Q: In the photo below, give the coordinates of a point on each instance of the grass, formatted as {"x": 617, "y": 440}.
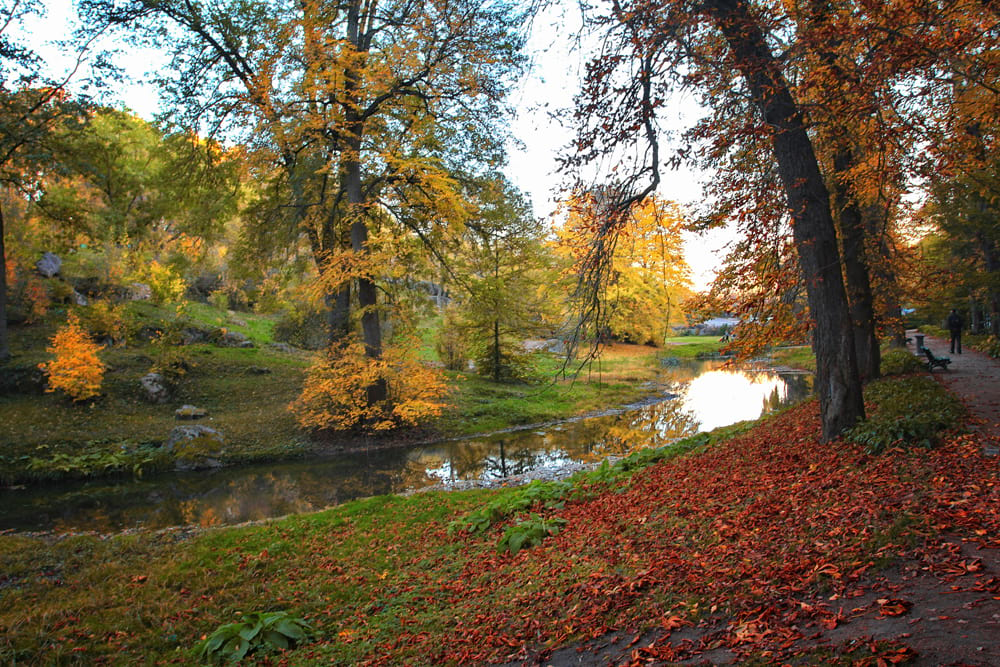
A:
{"x": 691, "y": 347}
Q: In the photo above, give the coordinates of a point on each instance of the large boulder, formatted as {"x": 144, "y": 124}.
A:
{"x": 195, "y": 447}
{"x": 49, "y": 265}
{"x": 191, "y": 335}
{"x": 156, "y": 387}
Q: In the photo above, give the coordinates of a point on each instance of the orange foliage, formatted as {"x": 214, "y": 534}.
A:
{"x": 76, "y": 369}
{"x": 334, "y": 394}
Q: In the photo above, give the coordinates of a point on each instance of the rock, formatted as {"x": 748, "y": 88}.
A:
{"x": 257, "y": 370}
{"x": 195, "y": 447}
{"x": 283, "y": 347}
{"x": 189, "y": 412}
{"x": 192, "y": 335}
{"x": 235, "y": 339}
{"x": 155, "y": 386}
{"x": 77, "y": 299}
{"x": 49, "y": 265}
{"x": 235, "y": 321}
{"x": 139, "y": 292}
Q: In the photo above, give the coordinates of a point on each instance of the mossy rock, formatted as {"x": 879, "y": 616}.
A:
{"x": 195, "y": 447}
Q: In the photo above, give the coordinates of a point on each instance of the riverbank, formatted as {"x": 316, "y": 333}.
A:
{"x": 245, "y": 392}
{"x": 762, "y": 545}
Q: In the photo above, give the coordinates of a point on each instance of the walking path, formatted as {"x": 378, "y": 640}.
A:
{"x": 975, "y": 378}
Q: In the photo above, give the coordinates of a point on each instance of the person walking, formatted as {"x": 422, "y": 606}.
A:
{"x": 955, "y": 323}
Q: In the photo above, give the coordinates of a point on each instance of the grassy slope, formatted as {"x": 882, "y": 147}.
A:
{"x": 80, "y": 440}
{"x": 746, "y": 529}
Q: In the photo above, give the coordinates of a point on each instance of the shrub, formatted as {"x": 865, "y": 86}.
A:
{"x": 256, "y": 631}
{"x": 334, "y": 395}
{"x": 76, "y": 369}
{"x": 512, "y": 364}
{"x": 990, "y": 345}
{"x": 104, "y": 319}
{"x": 899, "y": 361}
{"x": 302, "y": 327}
{"x": 165, "y": 283}
{"x": 906, "y": 412}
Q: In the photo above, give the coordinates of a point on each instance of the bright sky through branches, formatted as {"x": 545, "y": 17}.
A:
{"x": 557, "y": 63}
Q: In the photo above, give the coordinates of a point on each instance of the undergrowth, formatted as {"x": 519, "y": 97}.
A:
{"x": 911, "y": 411}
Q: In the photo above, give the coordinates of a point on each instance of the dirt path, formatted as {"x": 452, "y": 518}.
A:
{"x": 973, "y": 377}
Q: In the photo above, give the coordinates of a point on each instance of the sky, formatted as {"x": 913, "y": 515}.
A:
{"x": 549, "y": 85}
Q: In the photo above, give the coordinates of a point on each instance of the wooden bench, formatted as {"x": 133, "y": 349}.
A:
{"x": 935, "y": 362}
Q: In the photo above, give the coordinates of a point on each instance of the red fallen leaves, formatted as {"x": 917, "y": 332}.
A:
{"x": 893, "y": 607}
{"x": 749, "y": 529}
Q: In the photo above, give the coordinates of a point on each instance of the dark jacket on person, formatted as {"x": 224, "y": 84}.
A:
{"x": 954, "y": 322}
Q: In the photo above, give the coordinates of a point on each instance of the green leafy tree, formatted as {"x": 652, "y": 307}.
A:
{"x": 506, "y": 275}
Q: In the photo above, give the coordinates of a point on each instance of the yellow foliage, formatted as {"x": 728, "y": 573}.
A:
{"x": 334, "y": 396}
{"x": 76, "y": 369}
{"x": 164, "y": 282}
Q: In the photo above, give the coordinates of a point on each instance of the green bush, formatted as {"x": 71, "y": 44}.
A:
{"x": 906, "y": 412}
{"x": 547, "y": 495}
{"x": 254, "y": 632}
{"x": 899, "y": 361}
{"x": 989, "y": 345}
{"x": 529, "y": 533}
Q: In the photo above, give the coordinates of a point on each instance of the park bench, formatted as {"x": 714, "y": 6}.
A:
{"x": 935, "y": 362}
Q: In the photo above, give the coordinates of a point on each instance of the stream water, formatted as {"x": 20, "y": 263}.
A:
{"x": 697, "y": 396}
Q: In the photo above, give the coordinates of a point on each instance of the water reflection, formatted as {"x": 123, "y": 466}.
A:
{"x": 707, "y": 396}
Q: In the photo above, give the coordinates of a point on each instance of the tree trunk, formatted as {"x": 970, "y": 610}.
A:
{"x": 371, "y": 329}
{"x": 837, "y": 380}
{"x": 975, "y": 316}
{"x": 4, "y": 344}
{"x": 859, "y": 290}
{"x": 496, "y": 350}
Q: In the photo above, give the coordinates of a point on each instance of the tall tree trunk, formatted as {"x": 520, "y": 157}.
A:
{"x": 859, "y": 289}
{"x": 4, "y": 344}
{"x": 883, "y": 274}
{"x": 991, "y": 262}
{"x": 837, "y": 380}
{"x": 975, "y": 316}
{"x": 371, "y": 328}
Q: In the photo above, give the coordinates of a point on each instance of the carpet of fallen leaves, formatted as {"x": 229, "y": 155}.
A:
{"x": 756, "y": 548}
{"x": 769, "y": 531}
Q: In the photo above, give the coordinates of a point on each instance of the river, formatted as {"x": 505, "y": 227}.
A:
{"x": 694, "y": 397}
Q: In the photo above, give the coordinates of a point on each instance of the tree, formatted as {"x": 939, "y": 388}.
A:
{"x": 649, "y": 277}
{"x": 502, "y": 269}
{"x": 76, "y": 369}
{"x": 648, "y": 32}
{"x": 364, "y": 107}
{"x": 117, "y": 179}
{"x": 31, "y": 102}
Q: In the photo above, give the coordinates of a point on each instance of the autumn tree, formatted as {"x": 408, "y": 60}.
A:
{"x": 362, "y": 107}
{"x": 32, "y": 101}
{"x": 75, "y": 367}
{"x": 115, "y": 178}
{"x": 649, "y": 277}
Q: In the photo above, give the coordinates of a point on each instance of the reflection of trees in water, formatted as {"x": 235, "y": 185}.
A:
{"x": 653, "y": 426}
{"x": 229, "y": 496}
